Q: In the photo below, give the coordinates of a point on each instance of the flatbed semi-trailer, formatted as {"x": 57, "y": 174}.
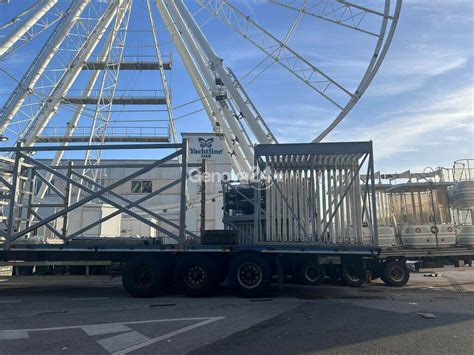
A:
{"x": 150, "y": 269}
{"x": 300, "y": 221}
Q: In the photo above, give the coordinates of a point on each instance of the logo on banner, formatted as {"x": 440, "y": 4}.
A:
{"x": 206, "y": 149}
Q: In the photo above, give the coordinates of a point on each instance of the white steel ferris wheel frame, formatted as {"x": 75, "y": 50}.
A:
{"x": 232, "y": 114}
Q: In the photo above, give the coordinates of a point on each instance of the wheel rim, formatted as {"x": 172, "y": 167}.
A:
{"x": 351, "y": 276}
{"x": 196, "y": 277}
{"x": 397, "y": 273}
{"x": 143, "y": 276}
{"x": 312, "y": 273}
{"x": 250, "y": 275}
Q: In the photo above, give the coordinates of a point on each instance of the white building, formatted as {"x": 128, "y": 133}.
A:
{"x": 202, "y": 146}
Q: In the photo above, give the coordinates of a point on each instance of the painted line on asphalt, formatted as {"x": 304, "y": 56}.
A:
{"x": 15, "y": 301}
{"x": 13, "y": 334}
{"x": 166, "y": 336}
{"x": 20, "y": 333}
{"x": 101, "y": 329}
{"x": 87, "y": 299}
{"x": 123, "y": 341}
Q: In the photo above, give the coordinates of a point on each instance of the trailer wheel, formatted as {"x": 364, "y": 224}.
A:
{"x": 396, "y": 273}
{"x": 143, "y": 277}
{"x": 353, "y": 276}
{"x": 197, "y": 275}
{"x": 250, "y": 274}
{"x": 310, "y": 273}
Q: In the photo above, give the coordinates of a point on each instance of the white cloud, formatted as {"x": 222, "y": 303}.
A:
{"x": 438, "y": 126}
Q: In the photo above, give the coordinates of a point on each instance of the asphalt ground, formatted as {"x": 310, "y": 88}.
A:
{"x": 433, "y": 314}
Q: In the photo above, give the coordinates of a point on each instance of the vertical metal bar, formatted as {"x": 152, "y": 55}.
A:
{"x": 256, "y": 211}
{"x": 322, "y": 238}
{"x": 278, "y": 178}
{"x": 284, "y": 205}
{"x": 13, "y": 197}
{"x": 375, "y": 233}
{"x": 311, "y": 198}
{"x": 182, "y": 210}
{"x": 67, "y": 199}
{"x": 32, "y": 179}
{"x": 357, "y": 197}
{"x": 343, "y": 205}
{"x": 336, "y": 198}
{"x": 420, "y": 202}
{"x": 203, "y": 196}
{"x": 434, "y": 214}
{"x": 315, "y": 188}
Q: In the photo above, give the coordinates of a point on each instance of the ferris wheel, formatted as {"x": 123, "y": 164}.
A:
{"x": 98, "y": 71}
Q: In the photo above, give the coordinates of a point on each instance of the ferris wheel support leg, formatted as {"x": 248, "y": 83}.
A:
{"x": 41, "y": 9}
{"x": 218, "y": 65}
{"x": 38, "y": 67}
{"x": 238, "y": 160}
{"x": 202, "y": 61}
{"x": 70, "y": 76}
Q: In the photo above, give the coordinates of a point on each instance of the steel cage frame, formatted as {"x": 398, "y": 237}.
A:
{"x": 22, "y": 159}
{"x": 264, "y": 152}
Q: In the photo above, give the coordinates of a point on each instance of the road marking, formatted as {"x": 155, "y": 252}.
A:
{"x": 166, "y": 336}
{"x": 16, "y": 301}
{"x": 123, "y": 341}
{"x": 13, "y": 334}
{"x": 101, "y": 329}
{"x": 87, "y": 299}
{"x": 2, "y": 332}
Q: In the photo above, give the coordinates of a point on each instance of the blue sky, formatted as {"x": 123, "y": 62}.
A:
{"x": 419, "y": 111}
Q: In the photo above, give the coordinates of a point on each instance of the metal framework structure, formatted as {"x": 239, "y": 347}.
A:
{"x": 81, "y": 26}
{"x": 311, "y": 194}
{"x": 91, "y": 37}
{"x": 19, "y": 192}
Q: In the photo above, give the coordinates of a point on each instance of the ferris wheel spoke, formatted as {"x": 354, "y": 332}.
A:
{"x": 31, "y": 27}
{"x": 342, "y": 13}
{"x": 381, "y": 49}
{"x": 279, "y": 51}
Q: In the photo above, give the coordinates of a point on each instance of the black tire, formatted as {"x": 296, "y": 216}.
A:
{"x": 353, "y": 276}
{"x": 250, "y": 274}
{"x": 310, "y": 273}
{"x": 197, "y": 275}
{"x": 143, "y": 277}
{"x": 396, "y": 273}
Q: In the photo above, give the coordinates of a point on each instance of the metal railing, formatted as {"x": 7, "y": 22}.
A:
{"x": 113, "y": 131}
{"x": 25, "y": 171}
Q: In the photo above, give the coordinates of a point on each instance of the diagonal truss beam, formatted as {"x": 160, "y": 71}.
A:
{"x": 292, "y": 61}
{"x": 339, "y": 12}
{"x": 93, "y": 194}
{"x": 51, "y": 106}
{"x": 35, "y": 15}
{"x": 39, "y": 64}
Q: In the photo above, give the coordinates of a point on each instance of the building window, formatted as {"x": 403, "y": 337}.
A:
{"x": 142, "y": 187}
